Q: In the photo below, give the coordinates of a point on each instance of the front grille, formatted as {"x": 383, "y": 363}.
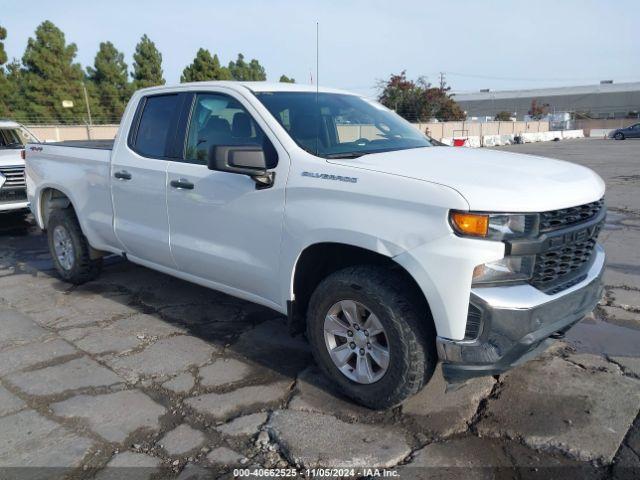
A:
{"x": 562, "y": 267}
{"x": 14, "y": 177}
{"x": 557, "y": 219}
{"x": 13, "y": 195}
{"x": 558, "y": 265}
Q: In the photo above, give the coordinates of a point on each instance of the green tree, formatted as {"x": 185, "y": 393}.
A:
{"x": 405, "y": 96}
{"x": 503, "y": 116}
{"x": 108, "y": 83}
{"x": 5, "y": 106}
{"x": 418, "y": 101}
{"x": 256, "y": 71}
{"x": 12, "y": 103}
{"x": 205, "y": 67}
{"x": 285, "y": 79}
{"x": 243, "y": 71}
{"x": 147, "y": 64}
{"x": 538, "y": 111}
{"x": 3, "y": 54}
{"x": 50, "y": 76}
{"x": 442, "y": 106}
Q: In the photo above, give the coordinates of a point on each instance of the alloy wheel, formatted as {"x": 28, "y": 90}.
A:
{"x": 63, "y": 247}
{"x": 356, "y": 341}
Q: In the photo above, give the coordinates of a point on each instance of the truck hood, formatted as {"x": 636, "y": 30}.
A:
{"x": 10, "y": 157}
{"x": 491, "y": 180}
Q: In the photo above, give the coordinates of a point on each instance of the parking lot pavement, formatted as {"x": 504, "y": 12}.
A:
{"x": 141, "y": 370}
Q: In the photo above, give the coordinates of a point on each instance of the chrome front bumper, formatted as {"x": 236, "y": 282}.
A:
{"x": 517, "y": 323}
{"x": 14, "y": 206}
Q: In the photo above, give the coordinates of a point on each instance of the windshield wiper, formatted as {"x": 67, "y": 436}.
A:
{"x": 345, "y": 155}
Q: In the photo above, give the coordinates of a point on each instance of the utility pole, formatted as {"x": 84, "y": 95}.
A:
{"x": 442, "y": 81}
{"x": 86, "y": 101}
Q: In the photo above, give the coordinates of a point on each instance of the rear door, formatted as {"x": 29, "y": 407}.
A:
{"x": 139, "y": 179}
{"x": 223, "y": 228}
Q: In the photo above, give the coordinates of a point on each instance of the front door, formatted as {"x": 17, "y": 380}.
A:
{"x": 222, "y": 228}
{"x": 139, "y": 179}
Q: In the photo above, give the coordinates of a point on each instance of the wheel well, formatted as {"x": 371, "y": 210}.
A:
{"x": 320, "y": 260}
{"x": 52, "y": 199}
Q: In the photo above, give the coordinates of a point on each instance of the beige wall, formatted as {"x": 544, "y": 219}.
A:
{"x": 478, "y": 129}
{"x": 450, "y": 129}
{"x": 59, "y": 133}
{"x": 603, "y": 124}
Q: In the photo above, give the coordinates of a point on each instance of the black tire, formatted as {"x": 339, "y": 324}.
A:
{"x": 405, "y": 318}
{"x": 83, "y": 268}
{"x": 619, "y": 136}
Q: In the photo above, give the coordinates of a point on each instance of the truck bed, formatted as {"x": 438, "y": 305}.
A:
{"x": 81, "y": 170}
{"x": 95, "y": 144}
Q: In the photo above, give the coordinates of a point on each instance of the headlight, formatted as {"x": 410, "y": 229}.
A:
{"x": 498, "y": 227}
{"x": 507, "y": 269}
{"x": 493, "y": 226}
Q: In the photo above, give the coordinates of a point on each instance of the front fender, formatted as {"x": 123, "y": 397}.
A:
{"x": 443, "y": 269}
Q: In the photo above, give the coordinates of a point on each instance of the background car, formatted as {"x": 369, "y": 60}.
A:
{"x": 632, "y": 131}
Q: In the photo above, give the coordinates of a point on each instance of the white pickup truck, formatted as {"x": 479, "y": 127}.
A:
{"x": 390, "y": 252}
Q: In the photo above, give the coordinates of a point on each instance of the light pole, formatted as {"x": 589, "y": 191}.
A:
{"x": 86, "y": 101}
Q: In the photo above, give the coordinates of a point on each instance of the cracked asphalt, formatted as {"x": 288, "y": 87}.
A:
{"x": 140, "y": 375}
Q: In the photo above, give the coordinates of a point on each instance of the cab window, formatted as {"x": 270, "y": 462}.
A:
{"x": 154, "y": 127}
{"x": 218, "y": 120}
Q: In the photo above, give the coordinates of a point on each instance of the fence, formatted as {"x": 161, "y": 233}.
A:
{"x": 59, "y": 133}
{"x": 442, "y": 130}
{"x": 480, "y": 129}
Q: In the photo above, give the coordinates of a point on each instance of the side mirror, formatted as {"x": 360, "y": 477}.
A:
{"x": 241, "y": 159}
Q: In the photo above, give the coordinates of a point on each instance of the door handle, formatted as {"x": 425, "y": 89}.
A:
{"x": 183, "y": 184}
{"x": 122, "y": 175}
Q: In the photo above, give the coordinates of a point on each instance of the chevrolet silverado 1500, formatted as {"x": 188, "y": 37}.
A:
{"x": 393, "y": 254}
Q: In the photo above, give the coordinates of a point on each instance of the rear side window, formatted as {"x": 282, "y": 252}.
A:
{"x": 154, "y": 128}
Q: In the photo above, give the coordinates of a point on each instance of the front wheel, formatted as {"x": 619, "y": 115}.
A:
{"x": 619, "y": 136}
{"x": 70, "y": 249}
{"x": 371, "y": 334}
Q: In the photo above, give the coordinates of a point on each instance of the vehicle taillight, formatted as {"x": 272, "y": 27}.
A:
{"x": 23, "y": 154}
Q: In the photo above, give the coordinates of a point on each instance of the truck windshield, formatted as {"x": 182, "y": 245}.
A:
{"x": 332, "y": 125}
{"x": 15, "y": 137}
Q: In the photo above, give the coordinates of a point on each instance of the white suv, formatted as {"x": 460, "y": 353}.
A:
{"x": 13, "y": 190}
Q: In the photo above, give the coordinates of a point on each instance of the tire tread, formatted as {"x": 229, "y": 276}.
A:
{"x": 392, "y": 289}
{"x": 86, "y": 268}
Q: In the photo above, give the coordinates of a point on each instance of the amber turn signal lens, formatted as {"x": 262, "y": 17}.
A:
{"x": 470, "y": 223}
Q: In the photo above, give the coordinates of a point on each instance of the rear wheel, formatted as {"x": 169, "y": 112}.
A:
{"x": 619, "y": 136}
{"x": 69, "y": 248}
{"x": 372, "y": 335}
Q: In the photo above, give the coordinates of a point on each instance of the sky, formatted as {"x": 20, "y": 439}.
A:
{"x": 478, "y": 44}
